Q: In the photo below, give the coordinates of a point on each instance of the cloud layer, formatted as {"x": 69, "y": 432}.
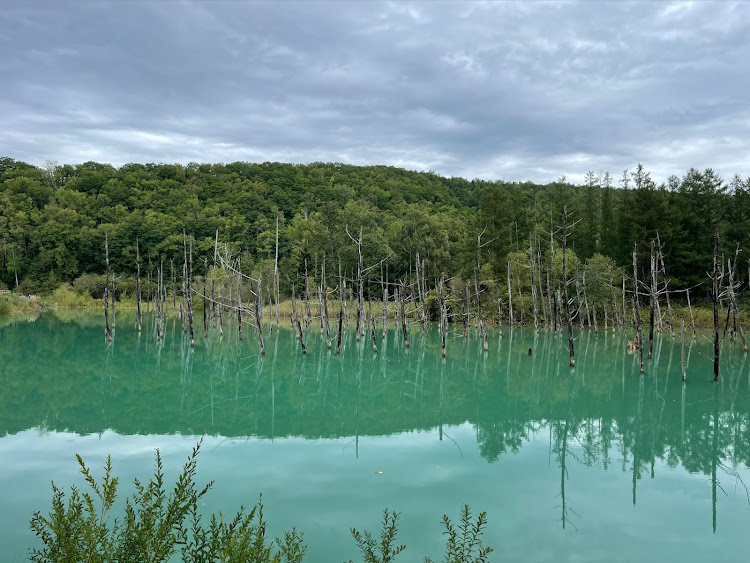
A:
{"x": 497, "y": 90}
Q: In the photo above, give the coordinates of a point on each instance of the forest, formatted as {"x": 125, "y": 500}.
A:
{"x": 54, "y": 220}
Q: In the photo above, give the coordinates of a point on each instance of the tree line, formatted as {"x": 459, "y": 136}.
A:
{"x": 54, "y": 220}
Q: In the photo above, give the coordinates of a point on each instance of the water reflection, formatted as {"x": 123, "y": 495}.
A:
{"x": 58, "y": 374}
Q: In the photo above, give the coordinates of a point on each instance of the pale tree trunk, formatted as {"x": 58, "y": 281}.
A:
{"x": 636, "y": 305}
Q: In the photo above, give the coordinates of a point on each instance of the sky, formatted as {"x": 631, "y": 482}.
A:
{"x": 527, "y": 91}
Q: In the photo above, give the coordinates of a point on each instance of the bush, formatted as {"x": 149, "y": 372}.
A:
{"x": 90, "y": 284}
{"x": 157, "y": 526}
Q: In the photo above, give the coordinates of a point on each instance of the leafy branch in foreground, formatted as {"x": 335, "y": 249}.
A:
{"x": 155, "y": 525}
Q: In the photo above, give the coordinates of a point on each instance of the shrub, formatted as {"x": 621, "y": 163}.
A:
{"x": 157, "y": 526}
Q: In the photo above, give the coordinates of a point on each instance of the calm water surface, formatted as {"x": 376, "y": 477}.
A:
{"x": 592, "y": 464}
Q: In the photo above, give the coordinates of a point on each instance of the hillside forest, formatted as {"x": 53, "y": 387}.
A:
{"x": 54, "y": 218}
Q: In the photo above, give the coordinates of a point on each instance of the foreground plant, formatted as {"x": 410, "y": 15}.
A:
{"x": 155, "y": 526}
{"x": 464, "y": 541}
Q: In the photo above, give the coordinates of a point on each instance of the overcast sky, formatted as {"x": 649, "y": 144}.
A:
{"x": 497, "y": 90}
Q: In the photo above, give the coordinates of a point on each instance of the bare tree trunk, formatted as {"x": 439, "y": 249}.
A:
{"x": 403, "y": 313}
{"x": 324, "y": 297}
{"x": 114, "y": 291}
{"x": 296, "y": 316}
{"x": 183, "y": 296}
{"x": 420, "y": 294}
{"x": 636, "y": 305}
{"x": 189, "y": 290}
{"x": 221, "y": 314}
{"x": 511, "y": 316}
{"x": 565, "y": 287}
{"x": 374, "y": 344}
{"x": 443, "y": 319}
{"x": 174, "y": 285}
{"x": 581, "y": 304}
{"x": 308, "y": 311}
{"x": 652, "y": 304}
{"x": 139, "y": 310}
{"x": 239, "y": 299}
{"x": 159, "y": 303}
{"x": 384, "y": 289}
{"x": 682, "y": 349}
{"x": 205, "y": 299}
{"x": 107, "y": 330}
{"x": 276, "y": 273}
{"x": 341, "y": 308}
{"x": 715, "y": 296}
{"x": 259, "y": 317}
{"x": 532, "y": 269}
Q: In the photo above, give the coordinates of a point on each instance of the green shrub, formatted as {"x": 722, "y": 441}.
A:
{"x": 157, "y": 526}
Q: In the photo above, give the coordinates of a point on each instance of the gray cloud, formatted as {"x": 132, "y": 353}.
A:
{"x": 518, "y": 91}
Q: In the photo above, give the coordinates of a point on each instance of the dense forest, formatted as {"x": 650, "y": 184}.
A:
{"x": 53, "y": 221}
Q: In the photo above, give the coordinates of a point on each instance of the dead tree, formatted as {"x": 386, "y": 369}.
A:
{"x": 533, "y": 286}
{"x": 308, "y": 312}
{"x": 566, "y": 302}
{"x": 360, "y": 289}
{"x": 511, "y": 318}
{"x": 715, "y": 298}
{"x": 636, "y": 306}
{"x": 384, "y": 290}
{"x": 259, "y": 314}
{"x": 324, "y": 297}
{"x": 402, "y": 294}
{"x": 682, "y": 349}
{"x": 652, "y": 304}
{"x": 189, "y": 287}
{"x": 341, "y": 308}
{"x": 295, "y": 320}
{"x": 205, "y": 298}
{"x": 138, "y": 311}
{"x": 730, "y": 291}
{"x": 107, "y": 329}
{"x": 443, "y": 314}
{"x": 420, "y": 294}
{"x": 276, "y": 273}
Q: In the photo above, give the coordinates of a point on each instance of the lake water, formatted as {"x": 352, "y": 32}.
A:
{"x": 597, "y": 463}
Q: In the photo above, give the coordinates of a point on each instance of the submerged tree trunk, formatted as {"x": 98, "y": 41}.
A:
{"x": 138, "y": 311}
{"x": 324, "y": 297}
{"x": 403, "y": 313}
{"x": 189, "y": 287}
{"x": 259, "y": 316}
{"x": 636, "y": 306}
{"x": 565, "y": 287}
{"x": 107, "y": 330}
{"x": 652, "y": 304}
{"x": 341, "y": 309}
{"x": 682, "y": 349}
{"x": 239, "y": 299}
{"x": 715, "y": 296}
